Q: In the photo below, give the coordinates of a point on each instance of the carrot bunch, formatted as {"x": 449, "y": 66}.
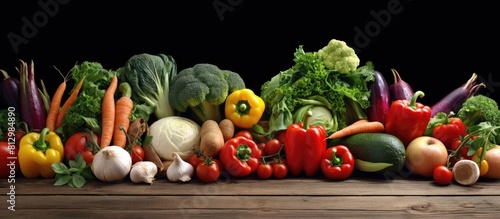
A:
{"x": 56, "y": 113}
{"x": 116, "y": 115}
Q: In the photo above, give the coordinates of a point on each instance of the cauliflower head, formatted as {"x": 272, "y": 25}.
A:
{"x": 338, "y": 56}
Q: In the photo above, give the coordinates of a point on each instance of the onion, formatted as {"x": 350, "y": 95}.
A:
{"x": 111, "y": 164}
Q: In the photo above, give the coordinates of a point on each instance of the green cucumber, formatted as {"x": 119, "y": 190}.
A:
{"x": 376, "y": 152}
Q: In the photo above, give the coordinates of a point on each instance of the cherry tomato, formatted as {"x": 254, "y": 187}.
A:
{"x": 264, "y": 170}
{"x": 194, "y": 160}
{"x": 244, "y": 133}
{"x": 137, "y": 153}
{"x": 442, "y": 175}
{"x": 208, "y": 172}
{"x": 281, "y": 137}
{"x": 463, "y": 151}
{"x": 280, "y": 170}
{"x": 273, "y": 146}
{"x": 262, "y": 146}
{"x": 484, "y": 167}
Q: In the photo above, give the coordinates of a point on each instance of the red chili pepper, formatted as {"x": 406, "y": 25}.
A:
{"x": 448, "y": 129}
{"x": 240, "y": 156}
{"x": 304, "y": 146}
{"x": 408, "y": 120}
{"x": 337, "y": 163}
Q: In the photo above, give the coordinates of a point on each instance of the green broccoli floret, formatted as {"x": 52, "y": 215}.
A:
{"x": 202, "y": 89}
{"x": 479, "y": 108}
{"x": 337, "y": 55}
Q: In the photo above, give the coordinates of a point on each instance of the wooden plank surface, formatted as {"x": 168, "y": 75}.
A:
{"x": 359, "y": 196}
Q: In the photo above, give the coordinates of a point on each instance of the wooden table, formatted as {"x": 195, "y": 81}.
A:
{"x": 361, "y": 196}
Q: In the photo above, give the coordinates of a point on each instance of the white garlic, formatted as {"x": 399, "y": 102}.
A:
{"x": 143, "y": 172}
{"x": 179, "y": 170}
{"x": 111, "y": 164}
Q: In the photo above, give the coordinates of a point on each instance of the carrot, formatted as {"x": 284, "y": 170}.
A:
{"x": 123, "y": 111}
{"x": 211, "y": 138}
{"x": 360, "y": 126}
{"x": 68, "y": 103}
{"x": 108, "y": 113}
{"x": 55, "y": 103}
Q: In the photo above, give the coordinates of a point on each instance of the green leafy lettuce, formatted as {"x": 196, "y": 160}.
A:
{"x": 309, "y": 82}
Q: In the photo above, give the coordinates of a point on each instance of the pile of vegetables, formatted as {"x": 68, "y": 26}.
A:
{"x": 328, "y": 82}
{"x": 325, "y": 115}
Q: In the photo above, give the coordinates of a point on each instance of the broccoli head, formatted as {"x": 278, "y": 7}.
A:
{"x": 479, "y": 108}
{"x": 338, "y": 56}
{"x": 201, "y": 90}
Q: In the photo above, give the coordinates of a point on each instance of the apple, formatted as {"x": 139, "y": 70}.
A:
{"x": 425, "y": 153}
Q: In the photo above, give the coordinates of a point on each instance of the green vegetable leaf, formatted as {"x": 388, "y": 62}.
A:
{"x": 60, "y": 168}
{"x": 78, "y": 180}
{"x": 62, "y": 180}
{"x": 87, "y": 173}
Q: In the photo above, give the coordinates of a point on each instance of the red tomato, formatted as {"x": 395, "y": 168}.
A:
{"x": 273, "y": 146}
{"x": 264, "y": 170}
{"x": 81, "y": 142}
{"x": 208, "y": 173}
{"x": 281, "y": 137}
{"x": 194, "y": 160}
{"x": 463, "y": 152}
{"x": 8, "y": 165}
{"x": 262, "y": 146}
{"x": 137, "y": 153}
{"x": 244, "y": 133}
{"x": 280, "y": 170}
{"x": 442, "y": 175}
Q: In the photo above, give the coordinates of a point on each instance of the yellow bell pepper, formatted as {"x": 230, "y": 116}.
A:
{"x": 38, "y": 151}
{"x": 244, "y": 108}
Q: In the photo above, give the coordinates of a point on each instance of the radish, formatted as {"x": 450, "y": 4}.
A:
{"x": 454, "y": 100}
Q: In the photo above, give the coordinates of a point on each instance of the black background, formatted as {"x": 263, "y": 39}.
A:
{"x": 434, "y": 46}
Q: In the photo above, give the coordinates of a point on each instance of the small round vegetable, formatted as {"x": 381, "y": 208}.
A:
{"x": 209, "y": 171}
{"x": 280, "y": 170}
{"x": 442, "y": 175}
{"x": 137, "y": 153}
{"x": 466, "y": 172}
{"x": 273, "y": 146}
{"x": 264, "y": 170}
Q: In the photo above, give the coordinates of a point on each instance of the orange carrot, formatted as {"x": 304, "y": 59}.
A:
{"x": 123, "y": 111}
{"x": 69, "y": 102}
{"x": 360, "y": 126}
{"x": 55, "y": 104}
{"x": 108, "y": 113}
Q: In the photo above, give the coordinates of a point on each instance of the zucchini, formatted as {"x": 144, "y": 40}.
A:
{"x": 376, "y": 152}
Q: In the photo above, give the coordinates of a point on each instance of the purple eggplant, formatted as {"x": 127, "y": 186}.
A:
{"x": 400, "y": 90}
{"x": 454, "y": 100}
{"x": 380, "y": 99}
{"x": 10, "y": 90}
{"x": 32, "y": 109}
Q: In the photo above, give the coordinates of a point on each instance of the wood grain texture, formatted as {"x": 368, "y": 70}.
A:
{"x": 357, "y": 197}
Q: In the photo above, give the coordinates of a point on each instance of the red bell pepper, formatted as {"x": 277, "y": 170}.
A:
{"x": 408, "y": 120}
{"x": 240, "y": 156}
{"x": 304, "y": 146}
{"x": 337, "y": 163}
{"x": 446, "y": 128}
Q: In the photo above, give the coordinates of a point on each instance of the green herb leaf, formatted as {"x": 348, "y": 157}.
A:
{"x": 60, "y": 168}
{"x": 80, "y": 162}
{"x": 62, "y": 180}
{"x": 78, "y": 180}
{"x": 87, "y": 173}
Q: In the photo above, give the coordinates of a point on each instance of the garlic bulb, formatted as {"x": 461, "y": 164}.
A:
{"x": 111, "y": 164}
{"x": 179, "y": 170}
{"x": 143, "y": 172}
